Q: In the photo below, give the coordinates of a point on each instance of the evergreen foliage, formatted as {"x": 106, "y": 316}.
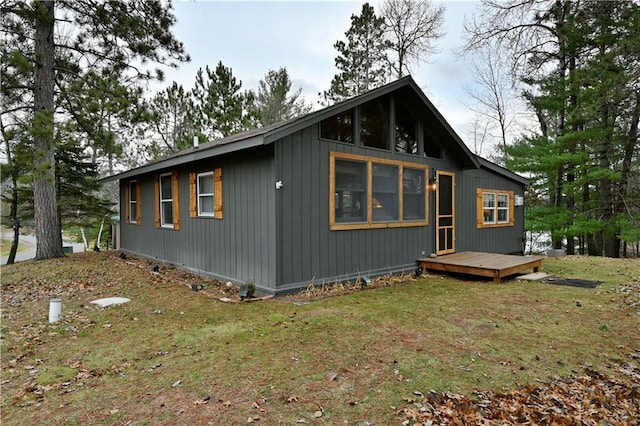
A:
{"x": 221, "y": 108}
{"x": 274, "y": 102}
{"x": 585, "y": 95}
{"x": 172, "y": 121}
{"x": 362, "y": 61}
{"x": 77, "y": 60}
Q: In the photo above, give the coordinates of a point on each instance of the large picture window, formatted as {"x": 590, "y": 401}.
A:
{"x": 495, "y": 208}
{"x": 370, "y": 192}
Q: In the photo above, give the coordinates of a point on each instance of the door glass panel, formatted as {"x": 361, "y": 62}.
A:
{"x": 445, "y": 195}
{"x": 445, "y": 221}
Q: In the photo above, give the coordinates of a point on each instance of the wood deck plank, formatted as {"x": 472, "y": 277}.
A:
{"x": 493, "y": 265}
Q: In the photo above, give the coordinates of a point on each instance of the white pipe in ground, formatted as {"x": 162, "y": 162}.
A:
{"x": 55, "y": 310}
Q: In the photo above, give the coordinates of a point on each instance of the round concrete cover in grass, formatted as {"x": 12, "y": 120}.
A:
{"x": 110, "y": 301}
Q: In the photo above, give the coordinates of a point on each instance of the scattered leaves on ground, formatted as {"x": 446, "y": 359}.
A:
{"x": 590, "y": 399}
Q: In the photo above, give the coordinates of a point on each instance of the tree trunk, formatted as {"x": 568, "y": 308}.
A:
{"x": 15, "y": 223}
{"x": 48, "y": 231}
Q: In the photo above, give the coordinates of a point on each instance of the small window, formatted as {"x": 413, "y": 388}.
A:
{"x": 489, "y": 207}
{"x": 495, "y": 208}
{"x": 205, "y": 194}
{"x": 338, "y": 128}
{"x": 503, "y": 208}
{"x": 166, "y": 201}
{"x": 406, "y": 140}
{"x": 133, "y": 203}
{"x": 374, "y": 117}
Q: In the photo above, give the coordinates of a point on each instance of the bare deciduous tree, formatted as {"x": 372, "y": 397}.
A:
{"x": 413, "y": 27}
{"x": 492, "y": 95}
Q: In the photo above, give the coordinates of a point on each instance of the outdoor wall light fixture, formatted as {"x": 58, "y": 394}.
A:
{"x": 279, "y": 184}
{"x": 433, "y": 182}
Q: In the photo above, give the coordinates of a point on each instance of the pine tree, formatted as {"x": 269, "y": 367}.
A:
{"x": 118, "y": 36}
{"x": 172, "y": 120}
{"x": 221, "y": 109}
{"x": 362, "y": 61}
{"x": 274, "y": 102}
{"x": 588, "y": 109}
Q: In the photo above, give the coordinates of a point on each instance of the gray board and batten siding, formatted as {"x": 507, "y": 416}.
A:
{"x": 281, "y": 238}
{"x": 241, "y": 247}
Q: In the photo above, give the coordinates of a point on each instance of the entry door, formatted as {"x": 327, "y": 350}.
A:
{"x": 445, "y": 213}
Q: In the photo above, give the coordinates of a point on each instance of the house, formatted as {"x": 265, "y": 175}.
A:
{"x": 363, "y": 187}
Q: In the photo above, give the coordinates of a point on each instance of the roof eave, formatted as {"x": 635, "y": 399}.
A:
{"x": 194, "y": 154}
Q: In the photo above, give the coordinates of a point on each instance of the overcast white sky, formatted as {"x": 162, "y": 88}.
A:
{"x": 253, "y": 37}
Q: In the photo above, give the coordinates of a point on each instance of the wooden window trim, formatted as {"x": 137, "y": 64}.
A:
{"x": 156, "y": 187}
{"x": 198, "y": 195}
{"x": 176, "y": 200}
{"x": 138, "y": 203}
{"x": 194, "y": 210}
{"x": 217, "y": 194}
{"x": 369, "y": 223}
{"x": 480, "y": 224}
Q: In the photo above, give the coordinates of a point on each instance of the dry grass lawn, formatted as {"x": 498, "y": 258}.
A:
{"x": 177, "y": 356}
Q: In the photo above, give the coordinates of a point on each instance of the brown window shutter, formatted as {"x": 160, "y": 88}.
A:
{"x": 479, "y": 209}
{"x": 138, "y": 203}
{"x": 217, "y": 193}
{"x": 193, "y": 211}
{"x": 512, "y": 203}
{"x": 157, "y": 196}
{"x": 126, "y": 202}
{"x": 176, "y": 200}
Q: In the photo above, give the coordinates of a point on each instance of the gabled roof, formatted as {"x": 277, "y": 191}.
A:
{"x": 405, "y": 87}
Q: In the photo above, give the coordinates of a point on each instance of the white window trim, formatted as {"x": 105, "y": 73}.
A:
{"x": 200, "y": 195}
{"x": 165, "y": 200}
{"x": 505, "y": 208}
{"x": 133, "y": 192}
{"x": 495, "y": 204}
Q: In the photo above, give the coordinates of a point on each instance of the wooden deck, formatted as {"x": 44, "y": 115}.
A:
{"x": 492, "y": 265}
